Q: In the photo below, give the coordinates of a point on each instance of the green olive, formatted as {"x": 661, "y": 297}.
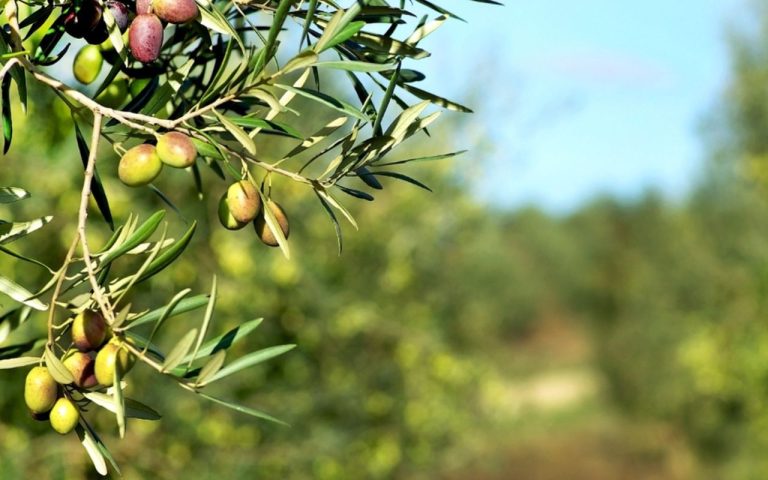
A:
{"x": 40, "y": 390}
{"x": 87, "y": 64}
{"x": 112, "y": 355}
{"x": 225, "y": 216}
{"x": 139, "y": 166}
{"x": 64, "y": 416}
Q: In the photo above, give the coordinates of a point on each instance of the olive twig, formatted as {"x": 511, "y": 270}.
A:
{"x": 82, "y": 218}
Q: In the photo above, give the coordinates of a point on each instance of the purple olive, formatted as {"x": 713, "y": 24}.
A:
{"x": 145, "y": 38}
{"x": 120, "y": 12}
{"x": 142, "y": 6}
{"x": 80, "y": 21}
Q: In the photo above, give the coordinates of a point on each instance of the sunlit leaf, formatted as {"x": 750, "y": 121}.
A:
{"x": 238, "y": 133}
{"x": 58, "y": 371}
{"x": 211, "y": 367}
{"x": 133, "y": 408}
{"x": 18, "y": 362}
{"x": 141, "y": 234}
{"x": 184, "y": 306}
{"x": 12, "y": 231}
{"x": 12, "y": 194}
{"x": 179, "y": 350}
{"x": 170, "y": 254}
{"x": 251, "y": 359}
{"x": 20, "y": 294}
{"x": 223, "y": 342}
{"x": 206, "y": 321}
{"x": 93, "y": 450}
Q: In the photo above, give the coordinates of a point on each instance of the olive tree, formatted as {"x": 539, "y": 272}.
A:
{"x": 192, "y": 84}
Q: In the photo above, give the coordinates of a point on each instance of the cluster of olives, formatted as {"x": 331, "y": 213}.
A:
{"x": 85, "y": 19}
{"x": 92, "y": 362}
{"x": 241, "y": 204}
{"x": 144, "y": 38}
{"x": 143, "y": 163}
{"x": 145, "y": 35}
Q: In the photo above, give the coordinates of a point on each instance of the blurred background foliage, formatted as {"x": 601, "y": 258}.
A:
{"x": 452, "y": 339}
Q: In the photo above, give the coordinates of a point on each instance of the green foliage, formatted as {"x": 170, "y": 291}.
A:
{"x": 237, "y": 84}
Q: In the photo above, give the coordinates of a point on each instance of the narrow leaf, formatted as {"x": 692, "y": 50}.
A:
{"x": 211, "y": 368}
{"x": 327, "y": 100}
{"x": 118, "y": 401}
{"x": 180, "y": 350}
{"x": 18, "y": 362}
{"x": 225, "y": 341}
{"x": 355, "y": 66}
{"x": 6, "y": 114}
{"x": 250, "y": 360}
{"x": 12, "y": 194}
{"x": 133, "y": 408}
{"x": 12, "y": 231}
{"x": 274, "y": 226}
{"x": 169, "y": 255}
{"x": 242, "y": 409}
{"x": 92, "y": 448}
{"x": 141, "y": 234}
{"x": 238, "y": 133}
{"x": 58, "y": 371}
{"x": 206, "y": 321}
{"x": 186, "y": 305}
{"x": 20, "y": 294}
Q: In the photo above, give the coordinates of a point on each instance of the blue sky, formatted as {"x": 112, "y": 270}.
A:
{"x": 577, "y": 98}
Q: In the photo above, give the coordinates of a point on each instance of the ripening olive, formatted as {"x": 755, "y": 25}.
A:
{"x": 81, "y": 366}
{"x": 88, "y": 330}
{"x": 243, "y": 201}
{"x": 87, "y": 64}
{"x": 139, "y": 166}
{"x": 175, "y": 11}
{"x": 225, "y": 216}
{"x": 142, "y": 6}
{"x": 120, "y": 13}
{"x": 263, "y": 231}
{"x": 145, "y": 38}
{"x": 40, "y": 390}
{"x": 64, "y": 416}
{"x": 176, "y": 150}
{"x": 112, "y": 355}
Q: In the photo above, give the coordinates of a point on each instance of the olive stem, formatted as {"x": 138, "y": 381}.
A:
{"x": 82, "y": 219}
